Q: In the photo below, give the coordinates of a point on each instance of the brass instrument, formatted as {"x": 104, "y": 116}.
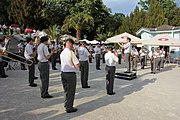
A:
{"x": 3, "y": 54}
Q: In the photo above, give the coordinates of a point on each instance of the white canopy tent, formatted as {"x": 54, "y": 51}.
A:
{"x": 95, "y": 42}
{"x": 87, "y": 41}
{"x": 122, "y": 38}
{"x": 162, "y": 40}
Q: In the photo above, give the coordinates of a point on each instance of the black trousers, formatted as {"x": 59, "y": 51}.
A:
{"x": 44, "y": 76}
{"x": 103, "y": 58}
{"x": 110, "y": 74}
{"x": 119, "y": 56}
{"x": 31, "y": 72}
{"x": 98, "y": 57}
{"x": 142, "y": 62}
{"x": 53, "y": 60}
{"x": 84, "y": 67}
{"x": 69, "y": 85}
{"x": 2, "y": 71}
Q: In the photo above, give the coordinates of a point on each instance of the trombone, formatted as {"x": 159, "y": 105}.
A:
{"x": 3, "y": 52}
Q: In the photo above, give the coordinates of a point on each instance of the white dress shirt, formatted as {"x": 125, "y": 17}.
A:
{"x": 42, "y": 52}
{"x": 110, "y": 59}
{"x": 68, "y": 60}
{"x": 83, "y": 54}
{"x": 28, "y": 51}
{"x": 97, "y": 50}
{"x": 127, "y": 47}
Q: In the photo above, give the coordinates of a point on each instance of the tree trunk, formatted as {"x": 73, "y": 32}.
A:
{"x": 78, "y": 34}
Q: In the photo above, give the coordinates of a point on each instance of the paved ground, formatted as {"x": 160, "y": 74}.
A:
{"x": 149, "y": 97}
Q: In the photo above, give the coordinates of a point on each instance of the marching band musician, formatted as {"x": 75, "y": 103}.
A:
{"x": 84, "y": 64}
{"x": 97, "y": 51}
{"x": 43, "y": 66}
{"x": 143, "y": 54}
{"x": 2, "y": 71}
{"x": 110, "y": 60}
{"x": 69, "y": 64}
{"x": 127, "y": 53}
{"x": 54, "y": 55}
{"x": 21, "y": 47}
{"x": 135, "y": 58}
{"x": 162, "y": 57}
{"x": 158, "y": 58}
{"x": 29, "y": 55}
{"x": 153, "y": 59}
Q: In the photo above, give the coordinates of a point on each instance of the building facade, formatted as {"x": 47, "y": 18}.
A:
{"x": 148, "y": 33}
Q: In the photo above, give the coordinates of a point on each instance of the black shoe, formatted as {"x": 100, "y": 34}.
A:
{"x": 134, "y": 70}
{"x": 33, "y": 85}
{"x": 86, "y": 87}
{"x": 111, "y": 93}
{"x": 4, "y": 76}
{"x": 98, "y": 69}
{"x": 35, "y": 77}
{"x": 54, "y": 68}
{"x": 72, "y": 110}
{"x": 48, "y": 96}
{"x": 127, "y": 72}
{"x": 23, "y": 69}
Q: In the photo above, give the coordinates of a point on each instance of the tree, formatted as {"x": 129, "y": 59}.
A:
{"x": 27, "y": 13}
{"x": 94, "y": 8}
{"x": 137, "y": 20}
{"x": 126, "y": 26}
{"x": 155, "y": 15}
{"x": 78, "y": 21}
{"x": 55, "y": 11}
{"x": 3, "y": 11}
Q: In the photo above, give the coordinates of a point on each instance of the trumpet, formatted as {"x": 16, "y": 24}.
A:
{"x": 3, "y": 54}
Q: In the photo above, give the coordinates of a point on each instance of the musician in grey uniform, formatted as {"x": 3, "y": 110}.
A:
{"x": 110, "y": 60}
{"x": 135, "y": 58}
{"x": 43, "y": 66}
{"x": 153, "y": 58}
{"x": 54, "y": 55}
{"x": 127, "y": 51}
{"x": 21, "y": 47}
{"x": 97, "y": 51}
{"x": 84, "y": 64}
{"x": 29, "y": 55}
{"x": 69, "y": 64}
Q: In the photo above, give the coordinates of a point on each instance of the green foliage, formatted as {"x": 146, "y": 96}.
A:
{"x": 78, "y": 21}
{"x": 27, "y": 13}
{"x": 52, "y": 31}
{"x": 103, "y": 37}
{"x": 155, "y": 15}
{"x": 3, "y": 11}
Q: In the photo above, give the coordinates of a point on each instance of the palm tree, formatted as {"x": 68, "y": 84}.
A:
{"x": 78, "y": 22}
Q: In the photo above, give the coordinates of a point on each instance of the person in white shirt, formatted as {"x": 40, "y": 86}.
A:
{"x": 135, "y": 58}
{"x": 90, "y": 48}
{"x": 127, "y": 53}
{"x": 54, "y": 55}
{"x": 142, "y": 53}
{"x": 153, "y": 58}
{"x": 97, "y": 51}
{"x": 2, "y": 71}
{"x": 21, "y": 48}
{"x": 162, "y": 57}
{"x": 43, "y": 66}
{"x": 158, "y": 58}
{"x": 103, "y": 49}
{"x": 84, "y": 64}
{"x": 29, "y": 55}
{"x": 69, "y": 64}
{"x": 110, "y": 60}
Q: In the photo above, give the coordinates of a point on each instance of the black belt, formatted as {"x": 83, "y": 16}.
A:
{"x": 109, "y": 66}
{"x": 68, "y": 72}
{"x": 43, "y": 62}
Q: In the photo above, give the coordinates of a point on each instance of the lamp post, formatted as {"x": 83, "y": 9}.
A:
{"x": 57, "y": 34}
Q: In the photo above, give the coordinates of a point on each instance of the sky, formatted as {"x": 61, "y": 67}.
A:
{"x": 124, "y": 6}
